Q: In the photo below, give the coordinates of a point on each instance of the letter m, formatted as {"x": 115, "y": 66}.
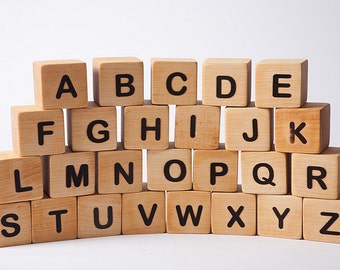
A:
{"x": 77, "y": 179}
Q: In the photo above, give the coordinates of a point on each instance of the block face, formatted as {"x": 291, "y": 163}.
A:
{"x": 60, "y": 84}
{"x": 197, "y": 127}
{"x": 233, "y": 213}
{"x": 188, "y": 212}
{"x": 36, "y": 131}
{"x": 303, "y": 130}
{"x": 226, "y": 82}
{"x": 281, "y": 83}
{"x": 118, "y": 81}
{"x": 143, "y": 212}
{"x": 174, "y": 81}
{"x": 279, "y": 216}
{"x": 215, "y": 170}
{"x": 99, "y": 215}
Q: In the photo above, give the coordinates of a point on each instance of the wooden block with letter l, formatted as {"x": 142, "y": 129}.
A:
{"x": 303, "y": 130}
{"x": 281, "y": 83}
{"x": 99, "y": 215}
{"x": 188, "y": 212}
{"x": 226, "y": 82}
{"x": 174, "y": 81}
{"x": 118, "y": 81}
{"x": 60, "y": 84}
{"x": 37, "y": 132}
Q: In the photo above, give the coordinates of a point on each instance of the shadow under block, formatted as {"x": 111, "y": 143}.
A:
{"x": 281, "y": 83}
{"x": 215, "y": 170}
{"x": 279, "y": 216}
{"x": 99, "y": 215}
{"x": 54, "y": 219}
{"x": 264, "y": 172}
{"x": 118, "y": 81}
{"x": 173, "y": 81}
{"x": 36, "y": 131}
{"x": 188, "y": 212}
{"x": 60, "y": 84}
{"x": 92, "y": 128}
{"x": 143, "y": 212}
{"x": 226, "y": 82}
{"x": 303, "y": 130}
{"x": 197, "y": 127}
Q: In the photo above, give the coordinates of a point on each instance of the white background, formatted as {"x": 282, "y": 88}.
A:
{"x": 41, "y": 30}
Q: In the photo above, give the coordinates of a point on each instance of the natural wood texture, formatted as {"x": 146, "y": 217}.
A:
{"x": 303, "y": 130}
{"x": 281, "y": 83}
{"x": 99, "y": 215}
{"x": 226, "y": 82}
{"x": 197, "y": 127}
{"x": 188, "y": 212}
{"x": 92, "y": 128}
{"x": 54, "y": 219}
{"x": 173, "y": 81}
{"x": 15, "y": 224}
{"x": 321, "y": 220}
{"x": 118, "y": 81}
{"x": 36, "y": 131}
{"x": 60, "y": 84}
{"x": 279, "y": 216}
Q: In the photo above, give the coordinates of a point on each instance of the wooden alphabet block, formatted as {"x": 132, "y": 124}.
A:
{"x": 60, "y": 84}
{"x": 15, "y": 225}
{"x": 281, "y": 83}
{"x": 226, "y": 82}
{"x": 92, "y": 128}
{"x": 99, "y": 215}
{"x": 303, "y": 130}
{"x": 197, "y": 127}
{"x": 188, "y": 212}
{"x": 118, "y": 81}
{"x": 36, "y": 131}
{"x": 173, "y": 81}
{"x": 279, "y": 216}
{"x": 54, "y": 219}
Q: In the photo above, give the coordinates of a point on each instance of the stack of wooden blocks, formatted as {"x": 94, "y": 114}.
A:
{"x": 94, "y": 186}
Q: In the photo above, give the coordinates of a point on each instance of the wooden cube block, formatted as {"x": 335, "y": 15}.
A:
{"x": 303, "y": 130}
{"x": 99, "y": 215}
{"x": 173, "y": 81}
{"x": 321, "y": 220}
{"x": 92, "y": 128}
{"x": 20, "y": 178}
{"x": 146, "y": 127}
{"x": 279, "y": 216}
{"x": 60, "y": 84}
{"x": 226, "y": 82}
{"x": 15, "y": 224}
{"x": 188, "y": 212}
{"x": 264, "y": 172}
{"x": 54, "y": 219}
{"x": 37, "y": 132}
{"x": 248, "y": 129}
{"x": 143, "y": 212}
{"x": 118, "y": 81}
{"x": 215, "y": 170}
{"x": 233, "y": 213}
{"x": 197, "y": 127}
{"x": 281, "y": 83}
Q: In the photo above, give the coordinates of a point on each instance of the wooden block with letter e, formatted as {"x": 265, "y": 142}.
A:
{"x": 118, "y": 81}
{"x": 281, "y": 83}
{"x": 226, "y": 82}
{"x": 60, "y": 84}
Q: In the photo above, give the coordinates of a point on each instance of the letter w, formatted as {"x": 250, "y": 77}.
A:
{"x": 189, "y": 211}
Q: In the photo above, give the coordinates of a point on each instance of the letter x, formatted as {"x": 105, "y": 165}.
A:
{"x": 235, "y": 217}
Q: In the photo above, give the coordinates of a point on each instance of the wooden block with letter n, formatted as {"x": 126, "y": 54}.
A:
{"x": 281, "y": 83}
{"x": 60, "y": 84}
{"x": 303, "y": 130}
{"x": 226, "y": 82}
